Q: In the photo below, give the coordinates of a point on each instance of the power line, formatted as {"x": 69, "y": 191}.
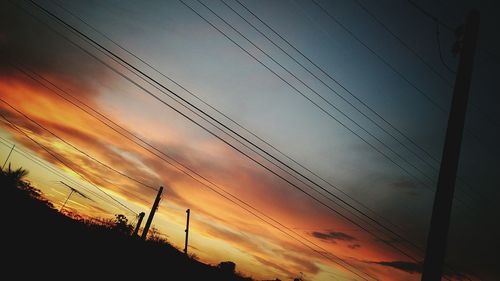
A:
{"x": 438, "y": 40}
{"x": 427, "y": 14}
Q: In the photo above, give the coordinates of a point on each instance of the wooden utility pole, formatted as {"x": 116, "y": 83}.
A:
{"x": 138, "y": 225}
{"x": 188, "y": 212}
{"x": 151, "y": 214}
{"x": 441, "y": 211}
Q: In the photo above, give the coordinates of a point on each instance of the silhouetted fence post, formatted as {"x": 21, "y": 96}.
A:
{"x": 187, "y": 232}
{"x": 151, "y": 214}
{"x": 138, "y": 225}
{"x": 441, "y": 211}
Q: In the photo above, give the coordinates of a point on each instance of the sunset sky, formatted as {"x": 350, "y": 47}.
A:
{"x": 345, "y": 148}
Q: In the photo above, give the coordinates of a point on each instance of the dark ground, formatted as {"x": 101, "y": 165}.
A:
{"x": 39, "y": 243}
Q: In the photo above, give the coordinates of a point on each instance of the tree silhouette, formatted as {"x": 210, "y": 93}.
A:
{"x": 227, "y": 267}
{"x": 14, "y": 177}
{"x": 155, "y": 236}
{"x": 121, "y": 224}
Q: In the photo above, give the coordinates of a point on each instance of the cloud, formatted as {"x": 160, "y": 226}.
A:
{"x": 27, "y": 42}
{"x": 404, "y": 185}
{"x": 354, "y": 246}
{"x": 332, "y": 236}
{"x": 273, "y": 265}
{"x": 412, "y": 268}
{"x": 409, "y": 267}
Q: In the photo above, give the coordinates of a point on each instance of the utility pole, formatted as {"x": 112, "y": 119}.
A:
{"x": 187, "y": 232}
{"x": 138, "y": 225}
{"x": 441, "y": 211}
{"x": 152, "y": 214}
{"x": 8, "y": 156}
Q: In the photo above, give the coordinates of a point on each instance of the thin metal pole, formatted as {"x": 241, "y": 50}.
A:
{"x": 8, "y": 156}
{"x": 62, "y": 207}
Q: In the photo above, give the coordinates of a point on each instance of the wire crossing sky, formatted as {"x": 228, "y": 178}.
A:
{"x": 304, "y": 135}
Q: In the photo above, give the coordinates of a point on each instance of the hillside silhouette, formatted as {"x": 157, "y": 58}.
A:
{"x": 40, "y": 243}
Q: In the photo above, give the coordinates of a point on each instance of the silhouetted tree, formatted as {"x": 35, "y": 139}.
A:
{"x": 154, "y": 235}
{"x": 122, "y": 225}
{"x": 193, "y": 256}
{"x": 14, "y": 178}
{"x": 227, "y": 267}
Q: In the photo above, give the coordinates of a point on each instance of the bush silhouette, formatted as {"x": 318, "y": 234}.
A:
{"x": 121, "y": 224}
{"x": 227, "y": 267}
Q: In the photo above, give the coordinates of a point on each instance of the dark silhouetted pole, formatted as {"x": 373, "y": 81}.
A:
{"x": 152, "y": 213}
{"x": 441, "y": 211}
{"x": 187, "y": 232}
{"x": 138, "y": 225}
{"x": 62, "y": 207}
{"x": 8, "y": 156}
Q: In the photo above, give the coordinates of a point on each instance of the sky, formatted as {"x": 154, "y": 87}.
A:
{"x": 387, "y": 168}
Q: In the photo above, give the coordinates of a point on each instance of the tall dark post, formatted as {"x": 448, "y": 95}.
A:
{"x": 187, "y": 232}
{"x": 152, "y": 214}
{"x": 441, "y": 211}
{"x": 138, "y": 225}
